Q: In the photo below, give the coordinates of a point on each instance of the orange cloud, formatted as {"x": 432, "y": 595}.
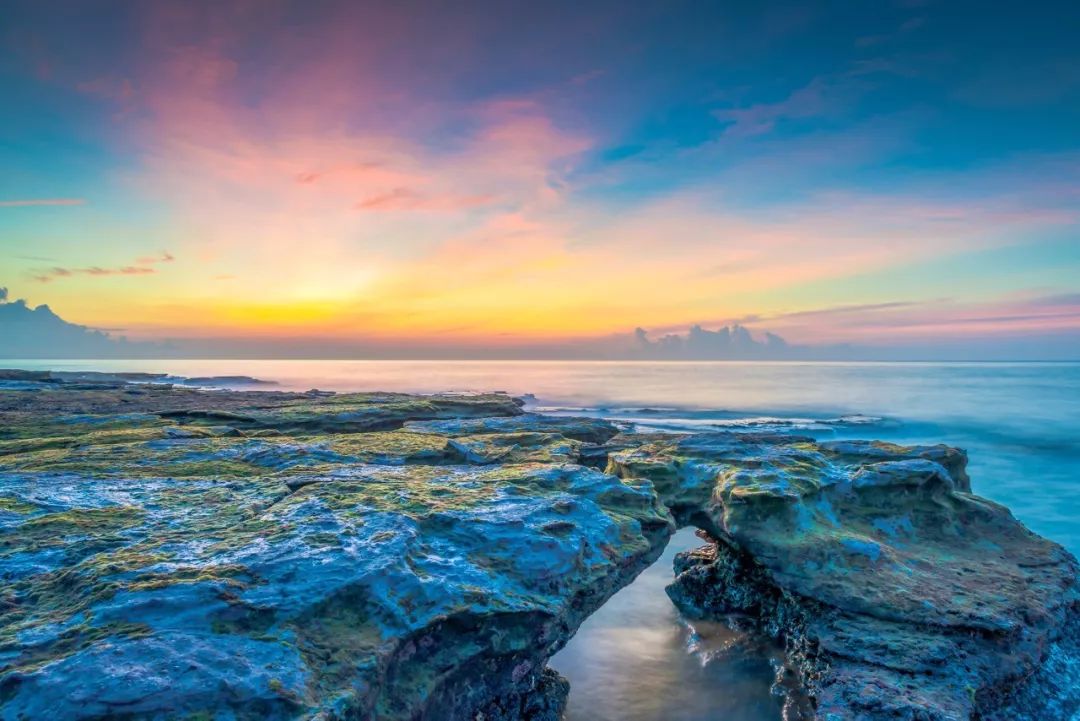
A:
{"x": 142, "y": 266}
{"x": 48, "y": 275}
{"x": 164, "y": 257}
{"x": 406, "y": 199}
{"x": 470, "y": 216}
{"x": 933, "y": 320}
{"x": 285, "y": 170}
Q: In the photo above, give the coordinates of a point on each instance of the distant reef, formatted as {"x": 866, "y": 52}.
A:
{"x": 176, "y": 552}
{"x": 11, "y": 378}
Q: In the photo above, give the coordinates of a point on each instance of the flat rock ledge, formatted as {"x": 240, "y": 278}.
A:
{"x": 171, "y": 552}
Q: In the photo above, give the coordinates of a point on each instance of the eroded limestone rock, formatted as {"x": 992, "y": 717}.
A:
{"x": 586, "y": 430}
{"x": 380, "y": 590}
{"x": 168, "y": 552}
{"x": 901, "y": 595}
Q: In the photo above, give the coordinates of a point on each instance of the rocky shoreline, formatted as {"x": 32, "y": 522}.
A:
{"x": 180, "y": 552}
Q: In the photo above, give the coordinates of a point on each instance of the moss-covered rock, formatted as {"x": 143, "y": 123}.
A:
{"x": 168, "y": 552}
{"x": 900, "y": 593}
{"x": 586, "y": 430}
{"x": 281, "y": 559}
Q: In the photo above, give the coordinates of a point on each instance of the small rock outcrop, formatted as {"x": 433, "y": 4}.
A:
{"x": 168, "y": 552}
{"x": 900, "y": 594}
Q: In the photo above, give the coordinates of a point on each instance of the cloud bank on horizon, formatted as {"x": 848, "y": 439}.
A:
{"x": 518, "y": 179}
{"x": 38, "y": 333}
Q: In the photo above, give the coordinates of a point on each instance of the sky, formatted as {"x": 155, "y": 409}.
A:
{"x": 563, "y": 178}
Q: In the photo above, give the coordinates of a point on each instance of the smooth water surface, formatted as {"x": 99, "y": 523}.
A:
{"x": 637, "y": 659}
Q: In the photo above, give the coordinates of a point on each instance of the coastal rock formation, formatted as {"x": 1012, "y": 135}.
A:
{"x": 182, "y": 553}
{"x": 900, "y": 594}
{"x": 168, "y": 564}
{"x": 586, "y": 430}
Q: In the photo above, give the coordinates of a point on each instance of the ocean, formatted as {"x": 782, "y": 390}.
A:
{"x": 635, "y": 659}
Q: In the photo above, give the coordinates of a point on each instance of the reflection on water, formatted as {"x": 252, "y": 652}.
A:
{"x": 635, "y": 659}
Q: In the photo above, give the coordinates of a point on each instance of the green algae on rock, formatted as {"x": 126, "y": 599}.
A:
{"x": 170, "y": 552}
{"x": 188, "y": 565}
{"x": 900, "y": 594}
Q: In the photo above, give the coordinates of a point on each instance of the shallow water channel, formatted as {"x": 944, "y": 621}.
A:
{"x": 637, "y": 659}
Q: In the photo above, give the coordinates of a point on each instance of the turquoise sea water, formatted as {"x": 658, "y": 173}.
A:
{"x": 635, "y": 660}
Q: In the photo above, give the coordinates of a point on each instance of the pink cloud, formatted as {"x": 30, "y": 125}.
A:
{"x": 935, "y": 320}
{"x": 163, "y": 257}
{"x": 319, "y": 159}
{"x": 142, "y": 266}
{"x": 279, "y": 157}
{"x": 906, "y": 322}
{"x": 828, "y": 236}
{"x": 49, "y": 274}
{"x": 406, "y": 199}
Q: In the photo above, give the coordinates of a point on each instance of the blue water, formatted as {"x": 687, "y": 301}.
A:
{"x": 635, "y": 659}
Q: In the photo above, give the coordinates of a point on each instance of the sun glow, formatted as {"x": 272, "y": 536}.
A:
{"x": 342, "y": 191}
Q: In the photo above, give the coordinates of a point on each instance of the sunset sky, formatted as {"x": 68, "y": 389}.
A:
{"x": 494, "y": 174}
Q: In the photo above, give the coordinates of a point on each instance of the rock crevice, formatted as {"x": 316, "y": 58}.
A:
{"x": 897, "y": 592}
